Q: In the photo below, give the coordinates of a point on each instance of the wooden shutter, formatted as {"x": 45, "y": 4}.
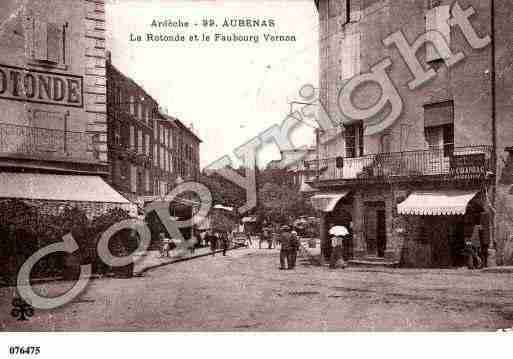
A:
{"x": 40, "y": 40}
{"x": 437, "y": 20}
{"x": 55, "y": 42}
{"x": 439, "y": 114}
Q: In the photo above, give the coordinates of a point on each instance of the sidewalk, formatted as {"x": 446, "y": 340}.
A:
{"x": 152, "y": 259}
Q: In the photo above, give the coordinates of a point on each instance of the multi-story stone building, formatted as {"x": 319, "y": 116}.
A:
{"x": 132, "y": 117}
{"x": 414, "y": 189}
{"x": 186, "y": 154}
{"x": 150, "y": 152}
{"x": 53, "y": 124}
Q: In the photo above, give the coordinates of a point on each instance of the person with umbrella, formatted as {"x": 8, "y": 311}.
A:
{"x": 337, "y": 244}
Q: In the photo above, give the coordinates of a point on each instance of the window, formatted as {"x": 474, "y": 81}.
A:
{"x": 439, "y": 126}
{"x": 140, "y": 113}
{"x": 437, "y": 18}
{"x": 148, "y": 145}
{"x": 132, "y": 105}
{"x": 133, "y": 179}
{"x": 354, "y": 140}
{"x": 140, "y": 145}
{"x": 161, "y": 165}
{"x": 117, "y": 133}
{"x": 132, "y": 137}
{"x": 155, "y": 154}
{"x": 47, "y": 42}
{"x": 147, "y": 180}
{"x": 148, "y": 116}
{"x": 350, "y": 56}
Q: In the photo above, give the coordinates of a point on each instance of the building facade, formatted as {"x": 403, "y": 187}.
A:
{"x": 412, "y": 192}
{"x": 53, "y": 123}
{"x": 186, "y": 154}
{"x": 132, "y": 118}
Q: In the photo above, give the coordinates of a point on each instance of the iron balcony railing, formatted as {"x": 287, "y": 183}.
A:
{"x": 460, "y": 162}
{"x": 45, "y": 143}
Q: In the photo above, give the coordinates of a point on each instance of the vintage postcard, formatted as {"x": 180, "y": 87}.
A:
{"x": 255, "y": 166}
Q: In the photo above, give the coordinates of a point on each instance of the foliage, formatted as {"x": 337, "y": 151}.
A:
{"x": 223, "y": 191}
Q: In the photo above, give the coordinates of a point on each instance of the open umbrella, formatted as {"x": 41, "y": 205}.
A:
{"x": 339, "y": 231}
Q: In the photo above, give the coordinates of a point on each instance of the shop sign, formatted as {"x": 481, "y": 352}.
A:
{"x": 468, "y": 164}
{"x": 51, "y": 88}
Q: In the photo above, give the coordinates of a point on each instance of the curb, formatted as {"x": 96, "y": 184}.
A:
{"x": 178, "y": 260}
{"x": 135, "y": 274}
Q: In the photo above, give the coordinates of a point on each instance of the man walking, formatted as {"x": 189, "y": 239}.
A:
{"x": 294, "y": 248}
{"x": 285, "y": 240}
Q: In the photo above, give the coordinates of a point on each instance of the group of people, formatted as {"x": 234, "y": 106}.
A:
{"x": 217, "y": 240}
{"x": 289, "y": 246}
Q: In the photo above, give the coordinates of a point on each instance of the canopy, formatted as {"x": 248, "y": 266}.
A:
{"x": 327, "y": 202}
{"x": 77, "y": 188}
{"x": 436, "y": 203}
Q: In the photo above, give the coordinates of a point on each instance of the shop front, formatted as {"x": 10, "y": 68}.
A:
{"x": 435, "y": 224}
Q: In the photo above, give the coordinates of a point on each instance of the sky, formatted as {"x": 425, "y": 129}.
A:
{"x": 230, "y": 92}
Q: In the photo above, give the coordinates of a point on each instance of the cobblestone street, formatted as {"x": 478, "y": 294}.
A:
{"x": 246, "y": 291}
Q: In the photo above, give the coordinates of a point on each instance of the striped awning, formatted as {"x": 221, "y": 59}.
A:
{"x": 326, "y": 202}
{"x": 436, "y": 203}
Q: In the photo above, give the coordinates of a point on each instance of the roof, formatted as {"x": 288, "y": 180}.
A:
{"x": 77, "y": 188}
{"x": 187, "y": 129}
{"x": 110, "y": 66}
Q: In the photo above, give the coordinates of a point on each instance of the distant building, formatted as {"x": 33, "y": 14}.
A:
{"x": 132, "y": 117}
{"x": 150, "y": 152}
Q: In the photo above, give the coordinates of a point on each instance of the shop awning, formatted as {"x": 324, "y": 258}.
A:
{"x": 327, "y": 202}
{"x": 436, "y": 203}
{"x": 40, "y": 186}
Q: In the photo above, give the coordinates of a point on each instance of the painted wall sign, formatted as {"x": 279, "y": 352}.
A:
{"x": 20, "y": 84}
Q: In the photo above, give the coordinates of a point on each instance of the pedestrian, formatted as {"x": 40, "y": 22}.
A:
{"x": 164, "y": 245}
{"x": 294, "y": 248}
{"x": 192, "y": 242}
{"x": 225, "y": 242}
{"x": 337, "y": 247}
{"x": 473, "y": 248}
{"x": 285, "y": 240}
{"x": 214, "y": 239}
{"x": 267, "y": 237}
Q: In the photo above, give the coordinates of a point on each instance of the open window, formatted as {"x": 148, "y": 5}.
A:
{"x": 439, "y": 126}
{"x": 354, "y": 140}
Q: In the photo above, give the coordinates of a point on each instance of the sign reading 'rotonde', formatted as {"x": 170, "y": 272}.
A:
{"x": 39, "y": 86}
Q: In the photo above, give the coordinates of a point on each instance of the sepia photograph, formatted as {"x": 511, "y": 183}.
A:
{"x": 235, "y": 166}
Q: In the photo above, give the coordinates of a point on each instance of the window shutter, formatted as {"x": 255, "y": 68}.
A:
{"x": 437, "y": 20}
{"x": 40, "y": 40}
{"x": 133, "y": 178}
{"x": 55, "y": 42}
{"x": 438, "y": 114}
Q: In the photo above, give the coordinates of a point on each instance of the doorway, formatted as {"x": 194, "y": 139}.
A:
{"x": 375, "y": 228}
{"x": 381, "y": 233}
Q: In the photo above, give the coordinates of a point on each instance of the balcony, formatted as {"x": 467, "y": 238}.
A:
{"x": 42, "y": 143}
{"x": 465, "y": 163}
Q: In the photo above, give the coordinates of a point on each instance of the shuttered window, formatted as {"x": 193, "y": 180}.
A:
{"x": 437, "y": 20}
{"x": 133, "y": 178}
{"x": 439, "y": 126}
{"x": 350, "y": 56}
{"x": 46, "y": 41}
{"x": 438, "y": 114}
